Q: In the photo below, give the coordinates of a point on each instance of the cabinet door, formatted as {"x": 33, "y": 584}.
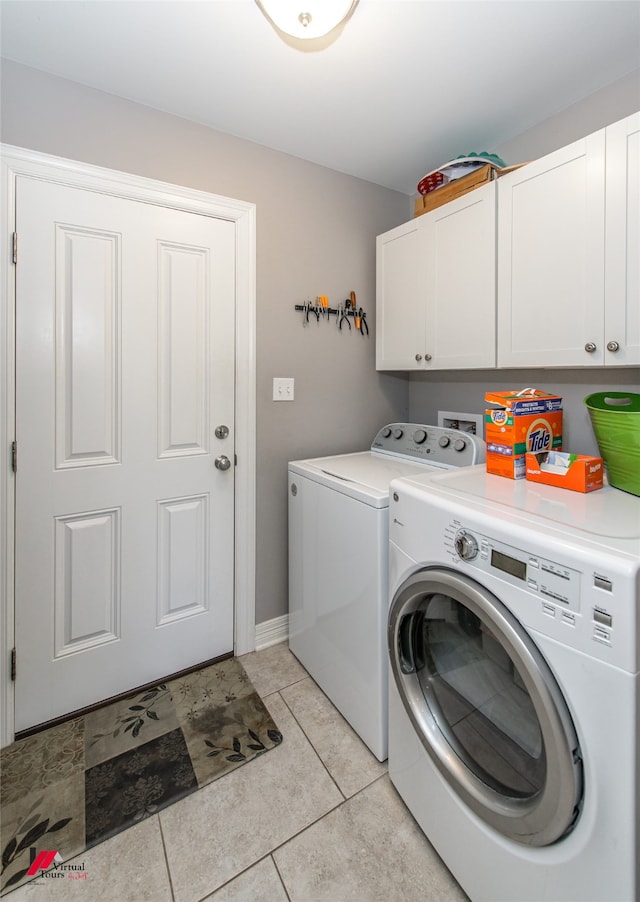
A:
{"x": 400, "y": 294}
{"x": 551, "y": 259}
{"x": 461, "y": 282}
{"x": 622, "y": 248}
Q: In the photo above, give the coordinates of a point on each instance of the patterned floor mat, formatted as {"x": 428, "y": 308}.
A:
{"x": 74, "y": 785}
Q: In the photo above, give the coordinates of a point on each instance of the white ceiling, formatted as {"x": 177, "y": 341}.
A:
{"x": 406, "y": 85}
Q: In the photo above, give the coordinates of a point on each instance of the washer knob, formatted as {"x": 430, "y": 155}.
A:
{"x": 398, "y": 433}
{"x": 459, "y": 444}
{"x": 466, "y": 546}
{"x": 386, "y": 432}
{"x": 419, "y": 436}
{"x": 443, "y": 441}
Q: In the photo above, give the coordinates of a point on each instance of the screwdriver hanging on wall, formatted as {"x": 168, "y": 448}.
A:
{"x": 343, "y": 312}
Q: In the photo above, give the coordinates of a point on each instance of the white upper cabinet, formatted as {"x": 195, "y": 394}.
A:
{"x": 436, "y": 288}
{"x": 622, "y": 243}
{"x": 568, "y": 240}
{"x": 565, "y": 243}
{"x": 551, "y": 259}
{"x": 400, "y": 310}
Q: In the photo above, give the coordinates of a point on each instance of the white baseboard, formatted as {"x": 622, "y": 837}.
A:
{"x": 272, "y": 631}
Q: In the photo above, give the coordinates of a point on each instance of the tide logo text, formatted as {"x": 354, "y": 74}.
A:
{"x": 539, "y": 437}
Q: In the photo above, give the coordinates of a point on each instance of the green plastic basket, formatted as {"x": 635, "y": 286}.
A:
{"x": 615, "y": 417}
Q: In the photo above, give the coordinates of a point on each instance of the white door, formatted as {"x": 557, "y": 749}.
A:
{"x": 125, "y": 368}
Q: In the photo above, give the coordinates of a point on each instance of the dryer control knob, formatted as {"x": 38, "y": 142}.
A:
{"x": 386, "y": 432}
{"x": 443, "y": 441}
{"x": 419, "y": 436}
{"x": 466, "y": 546}
{"x": 459, "y": 444}
{"x": 398, "y": 433}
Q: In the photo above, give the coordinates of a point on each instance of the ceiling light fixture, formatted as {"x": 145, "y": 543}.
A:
{"x": 306, "y": 19}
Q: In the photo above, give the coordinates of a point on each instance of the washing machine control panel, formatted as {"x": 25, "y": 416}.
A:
{"x": 550, "y": 581}
{"x": 435, "y": 445}
{"x": 466, "y": 545}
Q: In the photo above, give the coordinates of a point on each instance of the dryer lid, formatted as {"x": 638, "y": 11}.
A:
{"x": 606, "y": 513}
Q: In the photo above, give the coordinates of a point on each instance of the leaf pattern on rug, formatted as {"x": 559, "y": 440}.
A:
{"x": 33, "y": 828}
{"x": 236, "y": 753}
{"x": 144, "y": 707}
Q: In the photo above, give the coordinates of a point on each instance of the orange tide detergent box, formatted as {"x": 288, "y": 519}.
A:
{"x": 521, "y": 421}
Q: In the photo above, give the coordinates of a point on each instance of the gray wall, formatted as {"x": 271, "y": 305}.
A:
{"x": 315, "y": 235}
{"x": 464, "y": 391}
{"x": 612, "y": 103}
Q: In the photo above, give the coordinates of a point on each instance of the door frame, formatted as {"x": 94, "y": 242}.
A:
{"x": 15, "y": 161}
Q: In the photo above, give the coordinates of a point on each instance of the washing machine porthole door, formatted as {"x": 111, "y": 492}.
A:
{"x": 485, "y": 705}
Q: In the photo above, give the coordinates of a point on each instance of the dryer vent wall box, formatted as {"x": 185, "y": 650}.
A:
{"x": 465, "y": 422}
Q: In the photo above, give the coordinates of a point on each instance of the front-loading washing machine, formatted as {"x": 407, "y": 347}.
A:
{"x": 514, "y": 701}
{"x": 338, "y": 574}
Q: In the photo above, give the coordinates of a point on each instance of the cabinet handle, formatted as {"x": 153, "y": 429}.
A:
{"x": 613, "y": 346}
{"x": 418, "y": 357}
{"x": 590, "y": 347}
{"x": 427, "y": 356}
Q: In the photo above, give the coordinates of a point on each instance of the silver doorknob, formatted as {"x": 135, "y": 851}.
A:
{"x": 613, "y": 346}
{"x": 418, "y": 357}
{"x": 222, "y": 462}
{"x": 427, "y": 356}
{"x": 590, "y": 347}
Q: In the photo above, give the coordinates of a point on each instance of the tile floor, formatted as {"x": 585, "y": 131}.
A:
{"x": 314, "y": 819}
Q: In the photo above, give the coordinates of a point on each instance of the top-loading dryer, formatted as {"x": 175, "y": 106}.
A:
{"x": 338, "y": 574}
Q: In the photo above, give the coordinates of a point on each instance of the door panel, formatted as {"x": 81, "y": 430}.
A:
{"x": 125, "y": 366}
{"x": 622, "y": 236}
{"x": 400, "y": 297}
{"x": 551, "y": 258}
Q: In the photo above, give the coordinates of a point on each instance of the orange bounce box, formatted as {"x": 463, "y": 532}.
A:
{"x": 566, "y": 471}
{"x": 521, "y": 421}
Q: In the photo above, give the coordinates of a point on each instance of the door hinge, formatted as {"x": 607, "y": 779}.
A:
{"x": 14, "y": 456}
{"x": 13, "y": 665}
{"x": 15, "y": 247}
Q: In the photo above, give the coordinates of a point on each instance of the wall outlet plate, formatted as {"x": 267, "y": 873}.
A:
{"x": 282, "y": 389}
{"x": 465, "y": 422}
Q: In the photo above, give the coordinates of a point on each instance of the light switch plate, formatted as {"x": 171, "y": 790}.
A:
{"x": 282, "y": 389}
